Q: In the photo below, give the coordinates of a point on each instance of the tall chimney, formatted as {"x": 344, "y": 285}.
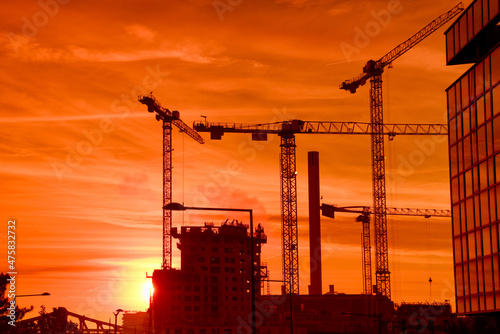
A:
{"x": 314, "y": 224}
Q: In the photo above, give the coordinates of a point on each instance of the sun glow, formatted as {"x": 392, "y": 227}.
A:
{"x": 147, "y": 290}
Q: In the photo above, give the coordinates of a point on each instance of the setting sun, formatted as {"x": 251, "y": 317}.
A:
{"x": 147, "y": 290}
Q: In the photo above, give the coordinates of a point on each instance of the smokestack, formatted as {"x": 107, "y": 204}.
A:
{"x": 314, "y": 224}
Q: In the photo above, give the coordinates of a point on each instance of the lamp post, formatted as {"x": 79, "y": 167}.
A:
{"x": 116, "y": 316}
{"x": 179, "y": 207}
{"x": 35, "y": 295}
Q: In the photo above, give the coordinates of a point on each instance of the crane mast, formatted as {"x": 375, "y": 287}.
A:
{"x": 168, "y": 118}
{"x": 287, "y": 130}
{"x": 373, "y": 70}
{"x": 329, "y": 211}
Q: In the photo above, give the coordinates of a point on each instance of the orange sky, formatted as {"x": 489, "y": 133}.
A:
{"x": 81, "y": 164}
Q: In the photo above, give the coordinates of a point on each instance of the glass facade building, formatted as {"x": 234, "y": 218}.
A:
{"x": 474, "y": 151}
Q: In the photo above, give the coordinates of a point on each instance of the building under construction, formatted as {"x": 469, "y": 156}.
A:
{"x": 212, "y": 288}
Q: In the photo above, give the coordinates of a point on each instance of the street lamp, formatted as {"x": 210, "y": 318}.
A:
{"x": 179, "y": 207}
{"x": 35, "y": 295}
{"x": 116, "y": 316}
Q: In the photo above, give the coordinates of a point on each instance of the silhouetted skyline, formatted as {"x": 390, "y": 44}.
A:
{"x": 82, "y": 158}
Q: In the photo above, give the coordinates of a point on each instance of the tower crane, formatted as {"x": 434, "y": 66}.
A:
{"x": 168, "y": 118}
{"x": 373, "y": 70}
{"x": 287, "y": 130}
{"x": 329, "y": 211}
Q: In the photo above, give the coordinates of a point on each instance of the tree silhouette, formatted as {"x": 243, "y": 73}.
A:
{"x": 4, "y": 307}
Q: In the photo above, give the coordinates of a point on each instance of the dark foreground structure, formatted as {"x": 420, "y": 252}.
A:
{"x": 211, "y": 294}
{"x": 474, "y": 147}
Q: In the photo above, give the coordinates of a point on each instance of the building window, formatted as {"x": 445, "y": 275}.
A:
{"x": 215, "y": 249}
{"x": 201, "y": 259}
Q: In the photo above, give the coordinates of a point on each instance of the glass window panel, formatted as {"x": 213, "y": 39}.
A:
{"x": 489, "y": 137}
{"x": 456, "y": 37}
{"x": 464, "y": 82}
{"x": 479, "y": 244}
{"x": 486, "y": 241}
{"x": 467, "y": 152}
{"x": 480, "y": 278}
{"x": 479, "y": 78}
{"x": 460, "y": 305}
{"x": 459, "y": 126}
{"x": 475, "y": 176}
{"x": 497, "y": 169}
{"x": 487, "y": 69}
{"x": 497, "y": 195}
{"x": 473, "y": 119}
{"x": 473, "y": 277}
{"x": 486, "y": 17}
{"x": 496, "y": 273}
{"x": 466, "y": 121}
{"x": 451, "y": 102}
{"x": 496, "y": 123}
{"x": 470, "y": 25}
{"x": 466, "y": 279}
{"x": 480, "y": 111}
{"x": 463, "y": 219}
{"x": 470, "y": 214}
{"x": 485, "y": 203}
{"x": 474, "y": 304}
{"x": 460, "y": 160}
{"x": 459, "y": 280}
{"x": 495, "y": 66}
{"x": 454, "y": 190}
{"x": 491, "y": 171}
{"x": 468, "y": 183}
{"x": 496, "y": 99}
{"x": 458, "y": 96}
{"x": 493, "y": 211}
{"x": 456, "y": 219}
{"x": 453, "y": 161}
{"x": 463, "y": 31}
{"x": 453, "y": 131}
{"x": 488, "y": 275}
{"x": 483, "y": 175}
{"x": 481, "y": 143}
{"x": 478, "y": 17}
{"x": 450, "y": 48}
{"x": 464, "y": 248}
{"x": 490, "y": 302}
{"x": 494, "y": 238}
{"x": 493, "y": 8}
{"x": 477, "y": 212}
{"x": 472, "y": 245}
{"x": 458, "y": 249}
{"x": 473, "y": 140}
